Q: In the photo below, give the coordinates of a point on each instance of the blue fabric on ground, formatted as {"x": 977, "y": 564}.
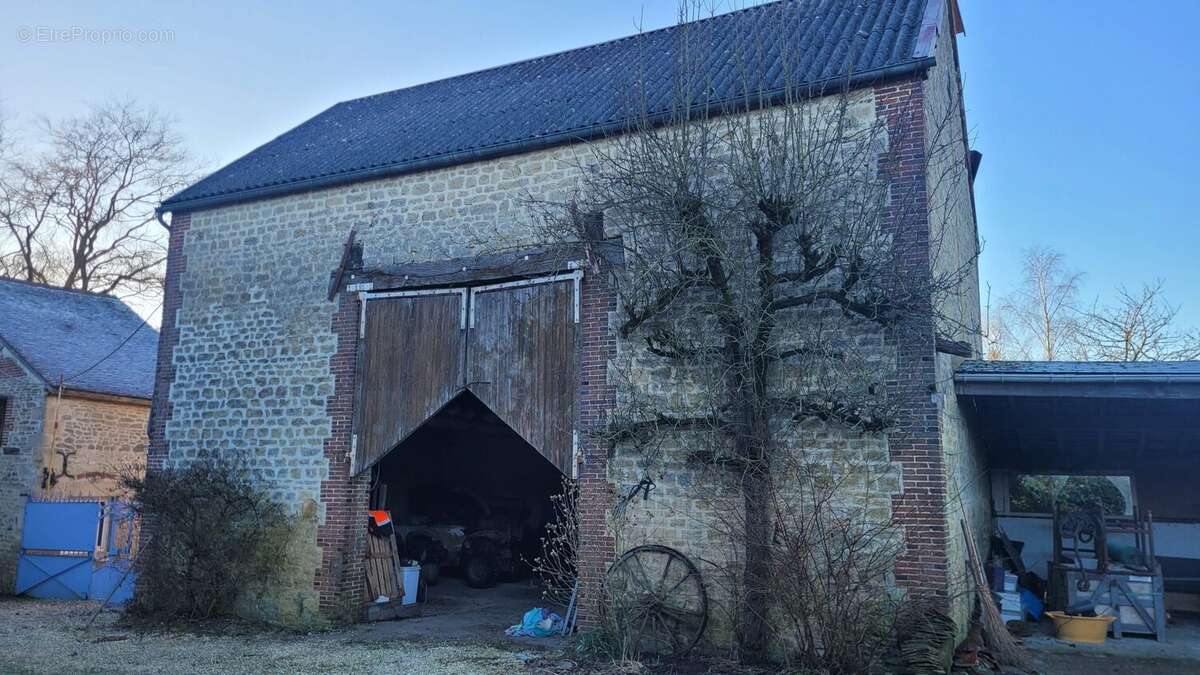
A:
{"x": 537, "y": 622}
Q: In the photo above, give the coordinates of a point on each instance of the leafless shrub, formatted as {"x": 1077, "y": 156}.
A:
{"x": 833, "y": 559}
{"x": 214, "y": 535}
{"x": 558, "y": 564}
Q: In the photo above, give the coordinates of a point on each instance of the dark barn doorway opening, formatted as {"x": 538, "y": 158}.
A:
{"x": 470, "y": 500}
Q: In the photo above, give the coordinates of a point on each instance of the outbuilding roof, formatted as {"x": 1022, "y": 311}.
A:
{"x": 580, "y": 94}
{"x": 94, "y": 343}
{"x": 1139, "y": 379}
{"x": 1068, "y": 369}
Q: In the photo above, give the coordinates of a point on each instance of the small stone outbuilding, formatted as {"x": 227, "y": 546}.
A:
{"x": 76, "y": 378}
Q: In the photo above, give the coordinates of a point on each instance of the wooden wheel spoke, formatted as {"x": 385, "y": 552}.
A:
{"x": 641, "y": 632}
{"x": 670, "y": 633}
{"x": 679, "y": 583}
{"x": 645, "y": 576}
{"x": 666, "y": 569}
{"x": 683, "y": 616}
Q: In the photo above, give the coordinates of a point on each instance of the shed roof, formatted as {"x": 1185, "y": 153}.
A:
{"x": 578, "y": 94}
{"x": 95, "y": 343}
{"x": 1113, "y": 379}
{"x": 1080, "y": 368}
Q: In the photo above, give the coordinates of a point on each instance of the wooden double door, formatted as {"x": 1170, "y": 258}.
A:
{"x": 512, "y": 345}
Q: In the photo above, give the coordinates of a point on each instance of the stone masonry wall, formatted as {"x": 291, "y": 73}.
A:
{"x": 24, "y": 397}
{"x": 697, "y": 511}
{"x": 100, "y": 439}
{"x": 251, "y": 352}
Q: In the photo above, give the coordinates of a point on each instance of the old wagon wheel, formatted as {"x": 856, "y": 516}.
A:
{"x": 658, "y": 599}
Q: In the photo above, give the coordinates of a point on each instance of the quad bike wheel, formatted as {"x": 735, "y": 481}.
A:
{"x": 480, "y": 571}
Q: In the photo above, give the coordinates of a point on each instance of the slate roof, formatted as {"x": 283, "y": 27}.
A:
{"x": 59, "y": 332}
{"x": 577, "y": 94}
{"x": 1087, "y": 369}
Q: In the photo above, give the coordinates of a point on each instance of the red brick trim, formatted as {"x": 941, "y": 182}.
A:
{"x": 168, "y": 339}
{"x": 915, "y": 443}
{"x": 597, "y": 398}
{"x": 341, "y": 535}
{"x": 158, "y": 448}
{"x": 9, "y": 370}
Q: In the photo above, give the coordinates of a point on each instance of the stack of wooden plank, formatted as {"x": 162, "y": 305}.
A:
{"x": 383, "y": 568}
{"x": 385, "y": 581}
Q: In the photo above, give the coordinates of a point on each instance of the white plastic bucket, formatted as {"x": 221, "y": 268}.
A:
{"x": 412, "y": 577}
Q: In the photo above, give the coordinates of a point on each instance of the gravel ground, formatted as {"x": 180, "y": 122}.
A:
{"x": 38, "y": 636}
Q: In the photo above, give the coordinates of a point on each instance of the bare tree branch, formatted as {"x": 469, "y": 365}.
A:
{"x": 1137, "y": 326}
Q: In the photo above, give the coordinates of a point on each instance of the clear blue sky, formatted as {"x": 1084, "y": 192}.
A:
{"x": 1086, "y": 112}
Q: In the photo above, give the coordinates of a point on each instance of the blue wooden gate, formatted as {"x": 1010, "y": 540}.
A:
{"x": 58, "y": 545}
{"x": 76, "y": 550}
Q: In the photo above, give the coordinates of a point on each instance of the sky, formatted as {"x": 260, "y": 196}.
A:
{"x": 1085, "y": 112}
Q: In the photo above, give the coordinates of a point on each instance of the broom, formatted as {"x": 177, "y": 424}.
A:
{"x": 996, "y": 638}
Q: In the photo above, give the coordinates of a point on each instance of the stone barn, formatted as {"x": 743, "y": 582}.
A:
{"x": 76, "y": 377}
{"x": 363, "y": 309}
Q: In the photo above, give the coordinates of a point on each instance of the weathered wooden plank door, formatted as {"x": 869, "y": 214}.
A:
{"x": 522, "y": 359}
{"x": 410, "y": 365}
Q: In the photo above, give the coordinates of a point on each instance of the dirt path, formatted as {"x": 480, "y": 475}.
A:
{"x": 38, "y": 636}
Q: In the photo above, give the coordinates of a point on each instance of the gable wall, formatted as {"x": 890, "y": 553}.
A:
{"x": 101, "y": 439}
{"x": 19, "y": 457}
{"x": 250, "y": 364}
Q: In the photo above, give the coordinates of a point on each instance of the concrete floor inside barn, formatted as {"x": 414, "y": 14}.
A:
{"x": 455, "y": 611}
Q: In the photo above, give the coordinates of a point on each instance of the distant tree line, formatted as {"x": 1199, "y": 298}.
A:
{"x": 1044, "y": 319}
{"x": 1045, "y": 494}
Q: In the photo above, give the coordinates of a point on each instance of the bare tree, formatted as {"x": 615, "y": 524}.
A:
{"x": 765, "y": 259}
{"x": 80, "y": 213}
{"x": 1044, "y": 308}
{"x": 1137, "y": 326}
{"x": 999, "y": 340}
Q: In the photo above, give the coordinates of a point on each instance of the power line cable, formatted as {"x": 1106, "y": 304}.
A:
{"x": 143, "y": 324}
